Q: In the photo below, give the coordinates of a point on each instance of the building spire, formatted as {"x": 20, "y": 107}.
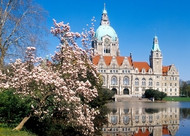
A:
{"x": 104, "y": 20}
{"x": 104, "y": 11}
{"x": 155, "y": 46}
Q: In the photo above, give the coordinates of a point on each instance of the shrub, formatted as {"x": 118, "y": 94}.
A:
{"x": 12, "y": 107}
{"x": 150, "y": 93}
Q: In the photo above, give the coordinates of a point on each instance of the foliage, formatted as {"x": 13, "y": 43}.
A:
{"x": 12, "y": 107}
{"x": 162, "y": 95}
{"x": 151, "y": 110}
{"x": 180, "y": 99}
{"x": 21, "y": 25}
{"x": 185, "y": 89}
{"x": 104, "y": 96}
{"x": 185, "y": 112}
{"x": 63, "y": 91}
{"x": 157, "y": 95}
{"x": 55, "y": 126}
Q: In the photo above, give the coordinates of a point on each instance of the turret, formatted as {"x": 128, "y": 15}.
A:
{"x": 156, "y": 57}
{"x": 105, "y": 19}
{"x": 105, "y": 42}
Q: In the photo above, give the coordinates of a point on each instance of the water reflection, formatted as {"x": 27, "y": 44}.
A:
{"x": 141, "y": 121}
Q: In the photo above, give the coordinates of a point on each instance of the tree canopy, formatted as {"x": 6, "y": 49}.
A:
{"x": 21, "y": 25}
{"x": 157, "y": 95}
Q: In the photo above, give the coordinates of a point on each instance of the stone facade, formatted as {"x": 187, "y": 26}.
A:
{"x": 125, "y": 76}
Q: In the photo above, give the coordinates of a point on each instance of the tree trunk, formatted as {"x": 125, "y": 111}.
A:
{"x": 20, "y": 126}
{"x": 2, "y": 56}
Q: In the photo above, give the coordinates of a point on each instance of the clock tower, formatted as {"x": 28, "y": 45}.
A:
{"x": 106, "y": 42}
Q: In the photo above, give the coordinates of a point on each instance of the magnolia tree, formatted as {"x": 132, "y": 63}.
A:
{"x": 63, "y": 87}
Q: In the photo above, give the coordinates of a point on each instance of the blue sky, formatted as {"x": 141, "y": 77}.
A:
{"x": 135, "y": 22}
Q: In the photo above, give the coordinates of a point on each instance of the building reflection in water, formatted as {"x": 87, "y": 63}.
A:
{"x": 142, "y": 122}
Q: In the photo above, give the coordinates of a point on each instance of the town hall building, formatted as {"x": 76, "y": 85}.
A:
{"x": 125, "y": 76}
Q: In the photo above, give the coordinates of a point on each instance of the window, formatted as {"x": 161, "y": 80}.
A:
{"x": 126, "y": 120}
{"x": 136, "y": 89}
{"x": 137, "y": 71}
{"x": 143, "y": 71}
{"x": 157, "y": 83}
{"x": 126, "y": 111}
{"x": 114, "y": 80}
{"x": 126, "y": 91}
{"x": 150, "y": 81}
{"x": 106, "y": 50}
{"x": 150, "y": 119}
{"x": 156, "y": 54}
{"x": 144, "y": 82}
{"x": 165, "y": 84}
{"x": 143, "y": 119}
{"x": 136, "y": 119}
{"x": 114, "y": 119}
{"x": 143, "y": 89}
{"x": 136, "y": 81}
{"x": 170, "y": 84}
{"x": 126, "y": 81}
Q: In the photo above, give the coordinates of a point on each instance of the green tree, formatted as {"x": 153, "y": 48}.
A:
{"x": 12, "y": 107}
{"x": 162, "y": 95}
{"x": 157, "y": 95}
{"x": 185, "y": 89}
{"x": 149, "y": 93}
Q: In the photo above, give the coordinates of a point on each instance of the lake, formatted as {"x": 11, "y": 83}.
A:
{"x": 148, "y": 118}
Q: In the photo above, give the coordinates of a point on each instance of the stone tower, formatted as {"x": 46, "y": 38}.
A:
{"x": 156, "y": 57}
{"x": 105, "y": 42}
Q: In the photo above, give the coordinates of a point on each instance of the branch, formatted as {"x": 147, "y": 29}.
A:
{"x": 4, "y": 16}
{"x": 10, "y": 42}
{"x": 14, "y": 29}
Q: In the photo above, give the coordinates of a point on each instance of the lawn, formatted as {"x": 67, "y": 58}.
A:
{"x": 181, "y": 99}
{"x": 9, "y": 132}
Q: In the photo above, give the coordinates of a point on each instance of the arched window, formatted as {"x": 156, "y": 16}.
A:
{"x": 156, "y": 54}
{"x": 126, "y": 111}
{"x": 136, "y": 81}
{"x": 114, "y": 119}
{"x": 150, "y": 82}
{"x": 143, "y": 82}
{"x": 126, "y": 120}
{"x": 114, "y": 80}
{"x": 150, "y": 71}
{"x": 143, "y": 71}
{"x": 126, "y": 91}
{"x": 126, "y": 81}
{"x": 114, "y": 90}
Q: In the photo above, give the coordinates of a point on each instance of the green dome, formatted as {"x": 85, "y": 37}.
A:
{"x": 105, "y": 30}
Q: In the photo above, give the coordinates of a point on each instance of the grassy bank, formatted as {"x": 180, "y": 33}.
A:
{"x": 180, "y": 99}
{"x": 10, "y": 132}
